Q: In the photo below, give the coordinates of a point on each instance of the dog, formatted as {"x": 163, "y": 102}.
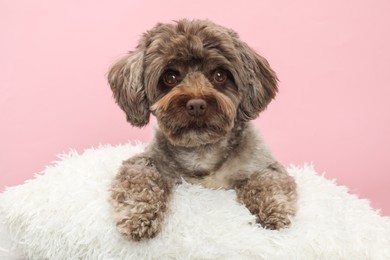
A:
{"x": 204, "y": 85}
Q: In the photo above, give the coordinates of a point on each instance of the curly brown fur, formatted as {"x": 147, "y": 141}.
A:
{"x": 140, "y": 197}
{"x": 204, "y": 85}
{"x": 270, "y": 195}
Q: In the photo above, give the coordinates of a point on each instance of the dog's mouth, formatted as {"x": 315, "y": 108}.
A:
{"x": 194, "y": 121}
{"x": 192, "y": 136}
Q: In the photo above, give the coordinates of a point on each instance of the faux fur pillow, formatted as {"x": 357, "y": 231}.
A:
{"x": 64, "y": 214}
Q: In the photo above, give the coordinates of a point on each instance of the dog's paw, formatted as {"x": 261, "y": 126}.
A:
{"x": 139, "y": 227}
{"x": 271, "y": 196}
{"x": 139, "y": 196}
{"x": 271, "y": 212}
{"x": 274, "y": 218}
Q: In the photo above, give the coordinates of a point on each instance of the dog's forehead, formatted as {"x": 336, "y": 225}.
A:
{"x": 189, "y": 40}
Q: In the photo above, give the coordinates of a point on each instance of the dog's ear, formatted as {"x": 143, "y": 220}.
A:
{"x": 126, "y": 81}
{"x": 259, "y": 84}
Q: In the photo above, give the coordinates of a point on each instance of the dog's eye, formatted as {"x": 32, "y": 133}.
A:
{"x": 170, "y": 78}
{"x": 220, "y": 76}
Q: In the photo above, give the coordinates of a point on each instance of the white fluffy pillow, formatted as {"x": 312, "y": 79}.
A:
{"x": 64, "y": 214}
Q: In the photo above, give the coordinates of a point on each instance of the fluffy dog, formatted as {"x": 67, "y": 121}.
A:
{"x": 204, "y": 85}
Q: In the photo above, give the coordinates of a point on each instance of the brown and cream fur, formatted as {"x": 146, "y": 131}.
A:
{"x": 204, "y": 85}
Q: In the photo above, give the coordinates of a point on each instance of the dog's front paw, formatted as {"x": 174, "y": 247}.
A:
{"x": 138, "y": 227}
{"x": 271, "y": 196}
{"x": 271, "y": 211}
{"x": 140, "y": 200}
{"x": 276, "y": 215}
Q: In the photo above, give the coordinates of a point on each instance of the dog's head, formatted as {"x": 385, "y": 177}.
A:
{"x": 196, "y": 77}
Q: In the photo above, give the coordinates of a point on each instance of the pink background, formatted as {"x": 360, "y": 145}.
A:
{"x": 332, "y": 58}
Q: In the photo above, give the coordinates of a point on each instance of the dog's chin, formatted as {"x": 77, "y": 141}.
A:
{"x": 190, "y": 137}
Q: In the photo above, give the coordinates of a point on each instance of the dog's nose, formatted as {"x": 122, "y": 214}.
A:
{"x": 196, "y": 107}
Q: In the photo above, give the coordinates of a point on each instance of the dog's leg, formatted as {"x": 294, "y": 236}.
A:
{"x": 140, "y": 196}
{"x": 270, "y": 195}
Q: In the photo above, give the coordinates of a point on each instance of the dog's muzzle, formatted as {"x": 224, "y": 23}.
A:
{"x": 190, "y": 116}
